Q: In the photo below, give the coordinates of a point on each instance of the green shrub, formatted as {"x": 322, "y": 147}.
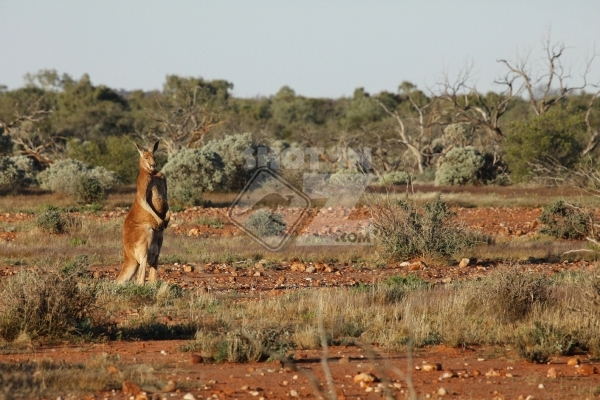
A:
{"x": 89, "y": 190}
{"x": 191, "y": 172}
{"x": 396, "y": 178}
{"x": 231, "y": 150}
{"x": 115, "y": 153}
{"x": 512, "y": 294}
{"x": 460, "y": 166}
{"x": 64, "y": 175}
{"x": 16, "y": 172}
{"x": 54, "y": 221}
{"x": 566, "y": 221}
{"x": 537, "y": 343}
{"x": 47, "y": 303}
{"x": 265, "y": 223}
{"x": 406, "y": 232}
{"x": 557, "y": 134}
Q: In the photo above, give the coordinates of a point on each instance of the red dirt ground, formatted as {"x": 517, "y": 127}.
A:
{"x": 272, "y": 380}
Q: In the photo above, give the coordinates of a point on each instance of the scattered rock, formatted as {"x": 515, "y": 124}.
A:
{"x": 188, "y": 268}
{"x": 293, "y": 393}
{"x": 297, "y": 266}
{"x": 170, "y": 387}
{"x": 405, "y": 264}
{"x": 465, "y": 262}
{"x": 193, "y": 232}
{"x": 344, "y": 360}
{"x": 97, "y": 275}
{"x": 476, "y": 373}
{"x": 310, "y": 270}
{"x": 189, "y": 396}
{"x": 195, "y": 359}
{"x": 417, "y": 266}
{"x": 141, "y": 396}
{"x": 492, "y": 372}
{"x": 541, "y": 386}
{"x": 586, "y": 370}
{"x": 431, "y": 367}
{"x": 448, "y": 374}
{"x": 365, "y": 377}
{"x": 554, "y": 373}
{"x": 130, "y": 388}
{"x": 573, "y": 361}
{"x": 442, "y": 391}
{"x": 257, "y": 273}
{"x": 112, "y": 370}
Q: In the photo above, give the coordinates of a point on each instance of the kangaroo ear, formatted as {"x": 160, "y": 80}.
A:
{"x": 141, "y": 151}
{"x": 155, "y": 146}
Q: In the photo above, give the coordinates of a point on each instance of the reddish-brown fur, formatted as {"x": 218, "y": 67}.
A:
{"x": 148, "y": 217}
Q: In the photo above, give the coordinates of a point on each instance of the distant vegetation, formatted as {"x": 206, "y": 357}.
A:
{"x": 453, "y": 134}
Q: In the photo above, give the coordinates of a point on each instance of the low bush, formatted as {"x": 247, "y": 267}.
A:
{"x": 191, "y": 172}
{"x": 64, "y": 175}
{"x": 53, "y": 221}
{"x": 512, "y": 295}
{"x": 45, "y": 303}
{"x": 460, "y": 166}
{"x": 89, "y": 190}
{"x": 231, "y": 149}
{"x": 396, "y": 178}
{"x": 266, "y": 223}
{"x": 567, "y": 221}
{"x": 404, "y": 231}
{"x": 16, "y": 172}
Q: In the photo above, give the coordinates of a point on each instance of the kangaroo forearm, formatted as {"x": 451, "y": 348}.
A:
{"x": 150, "y": 211}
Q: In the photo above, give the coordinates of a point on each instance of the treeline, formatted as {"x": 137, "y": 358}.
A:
{"x": 453, "y": 135}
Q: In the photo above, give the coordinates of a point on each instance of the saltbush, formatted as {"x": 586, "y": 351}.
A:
{"x": 16, "y": 172}
{"x": 405, "y": 232}
{"x": 89, "y": 190}
{"x": 191, "y": 172}
{"x": 45, "y": 303}
{"x": 566, "y": 221}
{"x": 265, "y": 223}
{"x": 63, "y": 176}
{"x": 460, "y": 166}
{"x": 231, "y": 150}
{"x": 396, "y": 178}
{"x": 53, "y": 221}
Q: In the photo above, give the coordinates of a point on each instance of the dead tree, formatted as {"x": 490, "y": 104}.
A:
{"x": 31, "y": 141}
{"x": 183, "y": 119}
{"x": 555, "y": 74}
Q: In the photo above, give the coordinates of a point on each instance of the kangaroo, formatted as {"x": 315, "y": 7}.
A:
{"x": 147, "y": 219}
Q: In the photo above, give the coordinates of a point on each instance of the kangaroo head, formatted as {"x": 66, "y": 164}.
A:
{"x": 147, "y": 162}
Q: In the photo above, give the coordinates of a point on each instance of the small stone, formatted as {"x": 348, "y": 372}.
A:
{"x": 586, "y": 370}
{"x": 448, "y": 375}
{"x": 432, "y": 367}
{"x": 130, "y": 388}
{"x": 476, "y": 372}
{"x": 193, "y": 232}
{"x": 257, "y": 273}
{"x": 464, "y": 263}
{"x": 344, "y": 360}
{"x": 417, "y": 266}
{"x": 369, "y": 389}
{"x": 196, "y": 359}
{"x": 297, "y": 266}
{"x": 170, "y": 387}
{"x": 541, "y": 386}
{"x": 554, "y": 373}
{"x": 310, "y": 270}
{"x": 364, "y": 377}
{"x": 141, "y": 396}
{"x": 492, "y": 372}
{"x": 293, "y": 393}
{"x": 405, "y": 264}
{"x": 188, "y": 268}
{"x": 112, "y": 370}
{"x": 189, "y": 396}
{"x": 245, "y": 387}
{"x": 442, "y": 392}
{"x": 573, "y": 361}
{"x": 253, "y": 393}
{"x": 284, "y": 383}
{"x": 97, "y": 274}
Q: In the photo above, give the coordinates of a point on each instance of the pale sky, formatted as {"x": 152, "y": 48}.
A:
{"x": 318, "y": 48}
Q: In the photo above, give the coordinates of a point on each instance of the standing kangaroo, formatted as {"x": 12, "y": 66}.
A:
{"x": 148, "y": 217}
